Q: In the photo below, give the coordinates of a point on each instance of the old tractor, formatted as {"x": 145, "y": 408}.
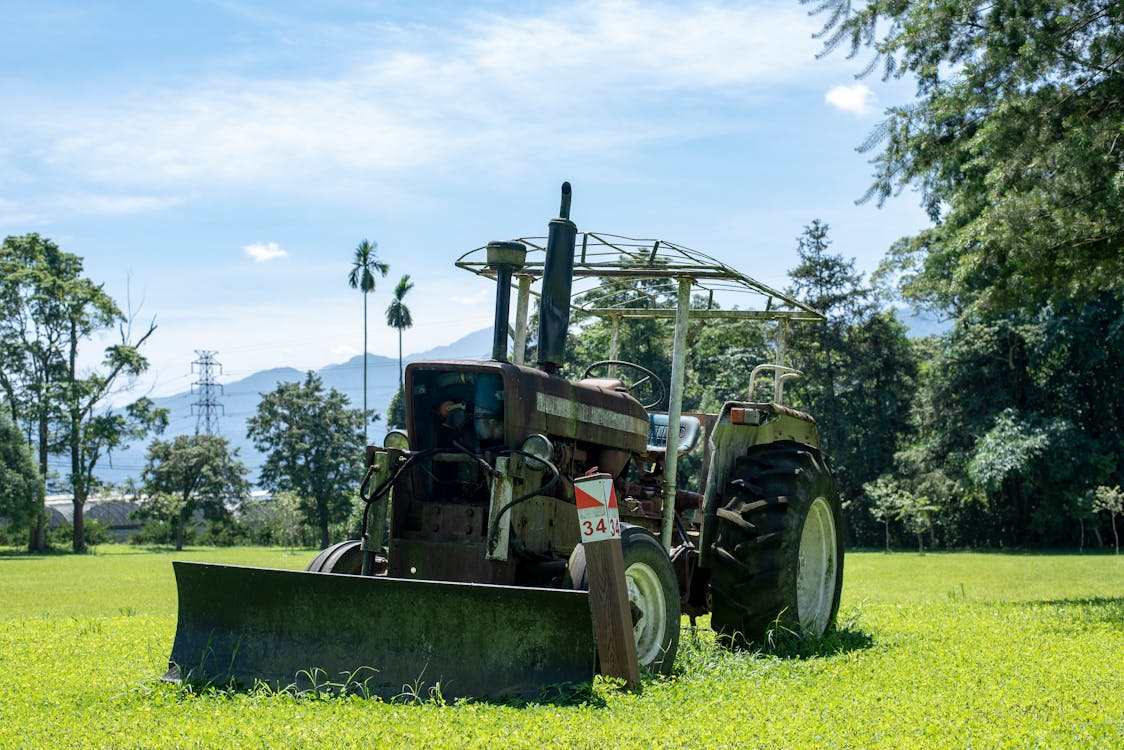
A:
{"x": 470, "y": 574}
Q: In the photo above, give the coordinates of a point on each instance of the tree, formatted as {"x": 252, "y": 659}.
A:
{"x": 1110, "y": 500}
{"x": 829, "y": 284}
{"x": 362, "y": 277}
{"x": 859, "y": 371}
{"x": 311, "y": 441}
{"x": 885, "y": 500}
{"x": 890, "y": 501}
{"x": 34, "y": 276}
{"x": 92, "y": 432}
{"x": 1013, "y": 141}
{"x": 21, "y": 486}
{"x": 94, "y": 436}
{"x": 50, "y": 309}
{"x": 277, "y": 521}
{"x": 396, "y": 411}
{"x": 190, "y": 473}
{"x": 398, "y": 316}
{"x": 916, "y": 512}
{"x": 1083, "y": 508}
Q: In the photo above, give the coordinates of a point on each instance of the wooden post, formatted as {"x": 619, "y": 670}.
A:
{"x": 600, "y": 528}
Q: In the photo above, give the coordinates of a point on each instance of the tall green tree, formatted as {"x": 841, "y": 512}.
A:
{"x": 311, "y": 441}
{"x": 364, "y": 266}
{"x": 396, "y": 410}
{"x": 858, "y": 367}
{"x": 1013, "y": 140}
{"x": 398, "y": 316}
{"x": 1110, "y": 500}
{"x": 21, "y": 486}
{"x": 93, "y": 430}
{"x": 35, "y": 276}
{"x": 831, "y": 285}
{"x": 50, "y": 311}
{"x": 190, "y": 473}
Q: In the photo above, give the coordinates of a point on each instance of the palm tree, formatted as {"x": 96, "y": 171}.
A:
{"x": 398, "y": 316}
{"x": 362, "y": 277}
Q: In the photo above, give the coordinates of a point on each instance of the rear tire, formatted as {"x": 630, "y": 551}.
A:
{"x": 653, "y": 591}
{"x": 777, "y": 555}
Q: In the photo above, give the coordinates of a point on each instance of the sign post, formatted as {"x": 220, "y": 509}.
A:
{"x": 600, "y": 527}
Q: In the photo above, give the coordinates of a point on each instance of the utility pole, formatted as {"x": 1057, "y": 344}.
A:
{"x": 207, "y": 409}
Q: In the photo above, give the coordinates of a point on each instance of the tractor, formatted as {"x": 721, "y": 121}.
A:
{"x": 469, "y": 573}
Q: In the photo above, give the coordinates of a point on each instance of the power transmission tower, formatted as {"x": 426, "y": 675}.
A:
{"x": 207, "y": 409}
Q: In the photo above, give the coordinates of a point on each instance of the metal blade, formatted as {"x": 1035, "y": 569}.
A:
{"x": 393, "y": 636}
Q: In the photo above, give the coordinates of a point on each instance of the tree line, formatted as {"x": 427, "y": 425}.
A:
{"x": 1003, "y": 431}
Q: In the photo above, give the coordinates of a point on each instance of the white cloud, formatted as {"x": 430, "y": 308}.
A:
{"x": 857, "y": 99}
{"x": 491, "y": 90}
{"x": 264, "y": 251}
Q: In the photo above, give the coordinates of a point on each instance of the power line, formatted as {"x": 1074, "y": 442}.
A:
{"x": 207, "y": 409}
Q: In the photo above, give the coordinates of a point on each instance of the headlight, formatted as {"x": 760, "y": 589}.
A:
{"x": 539, "y": 447}
{"x": 397, "y": 440}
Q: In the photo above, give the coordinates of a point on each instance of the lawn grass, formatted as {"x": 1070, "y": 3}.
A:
{"x": 941, "y": 650}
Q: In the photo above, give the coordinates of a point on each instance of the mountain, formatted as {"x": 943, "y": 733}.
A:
{"x": 240, "y": 399}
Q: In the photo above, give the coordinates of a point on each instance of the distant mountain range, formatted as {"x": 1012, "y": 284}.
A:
{"x": 240, "y": 401}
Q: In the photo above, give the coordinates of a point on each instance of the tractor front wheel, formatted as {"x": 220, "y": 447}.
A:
{"x": 777, "y": 555}
{"x": 653, "y": 595}
{"x": 346, "y": 558}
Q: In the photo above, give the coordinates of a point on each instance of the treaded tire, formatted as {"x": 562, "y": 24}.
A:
{"x": 342, "y": 557}
{"x": 777, "y": 555}
{"x": 652, "y": 586}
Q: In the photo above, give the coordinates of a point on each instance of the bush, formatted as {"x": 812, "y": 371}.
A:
{"x": 96, "y": 533}
{"x": 12, "y": 535}
{"x": 278, "y": 521}
{"x": 221, "y": 533}
{"x": 155, "y": 531}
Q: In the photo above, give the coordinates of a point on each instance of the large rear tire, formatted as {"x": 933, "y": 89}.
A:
{"x": 653, "y": 593}
{"x": 777, "y": 555}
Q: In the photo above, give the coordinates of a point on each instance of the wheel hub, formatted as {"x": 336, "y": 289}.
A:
{"x": 815, "y": 580}
{"x": 646, "y": 598}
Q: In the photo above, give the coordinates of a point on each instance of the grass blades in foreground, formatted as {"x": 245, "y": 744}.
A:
{"x": 941, "y": 650}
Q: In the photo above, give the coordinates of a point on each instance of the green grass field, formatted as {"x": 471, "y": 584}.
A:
{"x": 941, "y": 650}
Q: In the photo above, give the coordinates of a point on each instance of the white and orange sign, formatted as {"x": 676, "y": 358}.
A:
{"x": 598, "y": 517}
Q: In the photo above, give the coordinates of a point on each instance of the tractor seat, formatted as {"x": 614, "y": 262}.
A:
{"x": 689, "y": 429}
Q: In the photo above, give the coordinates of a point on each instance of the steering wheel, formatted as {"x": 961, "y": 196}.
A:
{"x": 655, "y": 388}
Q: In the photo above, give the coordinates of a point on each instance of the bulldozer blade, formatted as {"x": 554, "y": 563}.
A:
{"x": 389, "y": 637}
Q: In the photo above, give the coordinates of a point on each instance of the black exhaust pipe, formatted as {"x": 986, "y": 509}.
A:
{"x": 557, "y": 281}
{"x": 504, "y": 258}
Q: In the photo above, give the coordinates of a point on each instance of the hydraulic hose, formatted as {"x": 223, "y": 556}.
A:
{"x": 555, "y": 476}
{"x": 389, "y": 482}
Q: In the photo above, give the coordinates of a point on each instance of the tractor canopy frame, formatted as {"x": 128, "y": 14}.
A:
{"x": 698, "y": 276}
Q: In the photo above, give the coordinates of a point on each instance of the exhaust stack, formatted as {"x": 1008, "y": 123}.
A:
{"x": 505, "y": 258}
{"x": 557, "y": 281}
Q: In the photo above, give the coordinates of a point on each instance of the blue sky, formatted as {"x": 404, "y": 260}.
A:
{"x": 218, "y": 162}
